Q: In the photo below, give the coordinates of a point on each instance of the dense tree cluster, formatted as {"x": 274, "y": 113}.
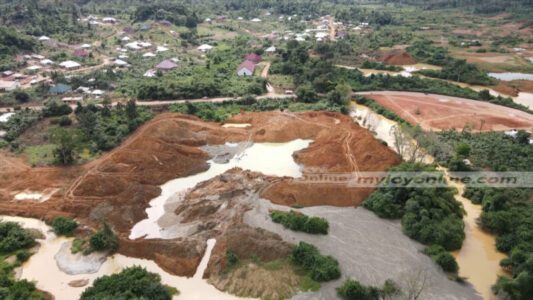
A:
{"x": 13, "y": 237}
{"x": 299, "y": 222}
{"x": 429, "y": 215}
{"x": 507, "y": 212}
{"x": 452, "y": 69}
{"x": 19, "y": 122}
{"x": 105, "y": 127}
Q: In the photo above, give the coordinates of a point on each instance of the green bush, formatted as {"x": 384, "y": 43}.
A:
{"x": 443, "y": 258}
{"x": 11, "y": 289}
{"x": 64, "y": 226}
{"x": 131, "y": 283}
{"x": 300, "y": 222}
{"x": 23, "y": 255}
{"x": 321, "y": 268}
{"x": 231, "y": 259}
{"x": 104, "y": 240}
{"x": 13, "y": 237}
{"x": 353, "y": 290}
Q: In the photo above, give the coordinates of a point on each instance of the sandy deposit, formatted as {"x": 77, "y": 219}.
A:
{"x": 368, "y": 248}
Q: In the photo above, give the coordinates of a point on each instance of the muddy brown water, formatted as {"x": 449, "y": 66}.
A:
{"x": 42, "y": 269}
{"x": 478, "y": 259}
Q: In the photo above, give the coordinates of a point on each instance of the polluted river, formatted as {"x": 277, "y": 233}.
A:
{"x": 478, "y": 259}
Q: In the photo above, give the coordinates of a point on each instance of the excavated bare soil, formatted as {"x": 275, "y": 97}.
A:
{"x": 437, "y": 112}
{"x": 117, "y": 187}
{"x": 397, "y": 57}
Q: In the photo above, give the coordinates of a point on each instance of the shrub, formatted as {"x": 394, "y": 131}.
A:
{"x": 130, "y": 283}
{"x": 23, "y": 255}
{"x": 64, "y": 121}
{"x": 13, "y": 237}
{"x": 64, "y": 226}
{"x": 443, "y": 258}
{"x": 104, "y": 240}
{"x": 321, "y": 268}
{"x": 300, "y": 222}
{"x": 56, "y": 109}
{"x": 231, "y": 259}
{"x": 353, "y": 290}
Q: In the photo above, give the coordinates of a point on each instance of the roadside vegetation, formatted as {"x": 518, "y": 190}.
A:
{"x": 299, "y": 222}
{"x": 221, "y": 111}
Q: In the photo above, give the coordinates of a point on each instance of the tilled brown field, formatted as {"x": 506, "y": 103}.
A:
{"x": 438, "y": 112}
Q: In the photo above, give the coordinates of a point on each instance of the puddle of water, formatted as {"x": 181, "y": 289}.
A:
{"x": 508, "y": 76}
{"x": 253, "y": 158}
{"x": 478, "y": 259}
{"x": 525, "y": 99}
{"x": 42, "y": 268}
{"x": 28, "y": 195}
{"x": 236, "y": 125}
{"x": 407, "y": 70}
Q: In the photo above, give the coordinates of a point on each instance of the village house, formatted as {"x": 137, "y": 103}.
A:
{"x": 253, "y": 57}
{"x": 150, "y": 73}
{"x": 270, "y": 50}
{"x": 71, "y": 100}
{"x": 166, "y": 65}
{"x": 149, "y": 55}
{"x": 8, "y": 86}
{"x": 59, "y": 89}
{"x": 205, "y": 48}
{"x": 70, "y": 65}
{"x": 80, "y": 53}
{"x": 46, "y": 62}
{"x": 246, "y": 68}
{"x": 109, "y": 20}
{"x": 120, "y": 63}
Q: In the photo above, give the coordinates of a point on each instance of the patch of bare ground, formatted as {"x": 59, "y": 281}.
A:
{"x": 438, "y": 112}
{"x": 513, "y": 88}
{"x": 275, "y": 280}
{"x": 397, "y": 57}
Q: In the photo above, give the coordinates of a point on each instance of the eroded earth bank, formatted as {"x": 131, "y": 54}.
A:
{"x": 178, "y": 182}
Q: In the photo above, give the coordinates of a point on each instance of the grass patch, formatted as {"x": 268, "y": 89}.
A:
{"x": 40, "y": 155}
